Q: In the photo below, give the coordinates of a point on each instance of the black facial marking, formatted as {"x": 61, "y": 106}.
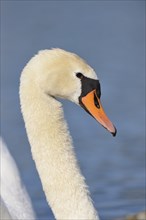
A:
{"x": 89, "y": 85}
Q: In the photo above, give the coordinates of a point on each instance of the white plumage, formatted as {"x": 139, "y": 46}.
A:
{"x": 48, "y": 75}
{"x": 15, "y": 202}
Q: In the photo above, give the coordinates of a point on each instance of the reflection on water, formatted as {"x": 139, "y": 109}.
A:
{"x": 110, "y": 35}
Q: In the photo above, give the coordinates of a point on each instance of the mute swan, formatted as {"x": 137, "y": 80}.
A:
{"x": 50, "y": 74}
{"x": 15, "y": 202}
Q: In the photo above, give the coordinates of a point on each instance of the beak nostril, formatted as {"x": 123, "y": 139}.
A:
{"x": 96, "y": 101}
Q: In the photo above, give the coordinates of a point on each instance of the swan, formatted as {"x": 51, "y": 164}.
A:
{"x": 14, "y": 199}
{"x": 48, "y": 75}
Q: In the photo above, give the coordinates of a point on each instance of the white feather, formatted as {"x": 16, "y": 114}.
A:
{"x": 15, "y": 201}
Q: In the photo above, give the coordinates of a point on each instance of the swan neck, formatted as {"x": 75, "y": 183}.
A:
{"x": 53, "y": 153}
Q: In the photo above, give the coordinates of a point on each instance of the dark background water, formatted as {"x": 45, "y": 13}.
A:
{"x": 110, "y": 36}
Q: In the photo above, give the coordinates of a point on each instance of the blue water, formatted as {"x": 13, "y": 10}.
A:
{"x": 110, "y": 36}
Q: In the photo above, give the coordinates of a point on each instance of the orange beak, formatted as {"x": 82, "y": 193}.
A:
{"x": 93, "y": 105}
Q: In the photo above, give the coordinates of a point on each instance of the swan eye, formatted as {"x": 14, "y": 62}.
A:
{"x": 80, "y": 75}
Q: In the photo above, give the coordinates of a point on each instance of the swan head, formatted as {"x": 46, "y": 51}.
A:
{"x": 63, "y": 74}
